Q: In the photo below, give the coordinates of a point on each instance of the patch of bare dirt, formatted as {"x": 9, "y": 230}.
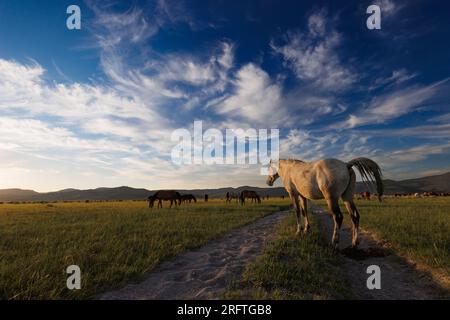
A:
{"x": 400, "y": 278}
{"x": 204, "y": 273}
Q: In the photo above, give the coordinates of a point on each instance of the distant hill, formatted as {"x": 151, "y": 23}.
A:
{"x": 120, "y": 193}
{"x": 438, "y": 183}
{"x": 17, "y": 194}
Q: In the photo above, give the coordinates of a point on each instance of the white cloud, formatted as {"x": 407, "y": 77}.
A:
{"x": 389, "y": 8}
{"x": 430, "y": 131}
{"x": 396, "y": 77}
{"x": 212, "y": 75}
{"x": 255, "y": 98}
{"x": 417, "y": 153}
{"x": 118, "y": 132}
{"x": 313, "y": 57}
{"x": 412, "y": 162}
{"x": 443, "y": 118}
{"x": 395, "y": 104}
{"x": 309, "y": 146}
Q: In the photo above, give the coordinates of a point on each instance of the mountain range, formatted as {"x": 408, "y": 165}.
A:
{"x": 436, "y": 183}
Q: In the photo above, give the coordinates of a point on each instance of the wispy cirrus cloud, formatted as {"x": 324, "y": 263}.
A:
{"x": 396, "y": 77}
{"x": 117, "y": 131}
{"x": 397, "y": 103}
{"x": 389, "y": 8}
{"x": 312, "y": 55}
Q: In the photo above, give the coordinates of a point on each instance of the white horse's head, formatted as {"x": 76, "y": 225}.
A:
{"x": 273, "y": 173}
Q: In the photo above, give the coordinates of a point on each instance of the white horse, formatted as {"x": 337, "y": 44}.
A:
{"x": 330, "y": 179}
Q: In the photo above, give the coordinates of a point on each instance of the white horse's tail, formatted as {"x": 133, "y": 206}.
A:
{"x": 370, "y": 172}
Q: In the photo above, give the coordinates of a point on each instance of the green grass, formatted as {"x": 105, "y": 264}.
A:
{"x": 118, "y": 242}
{"x": 292, "y": 267}
{"x": 112, "y": 242}
{"x": 417, "y": 228}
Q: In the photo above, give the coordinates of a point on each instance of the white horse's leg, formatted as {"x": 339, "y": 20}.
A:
{"x": 294, "y": 199}
{"x": 354, "y": 214}
{"x": 304, "y": 207}
{"x": 333, "y": 206}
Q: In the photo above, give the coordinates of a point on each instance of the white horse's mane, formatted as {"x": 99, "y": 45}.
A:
{"x": 292, "y": 160}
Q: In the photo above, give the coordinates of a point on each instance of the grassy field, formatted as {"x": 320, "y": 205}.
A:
{"x": 117, "y": 242}
{"x": 417, "y": 228}
{"x": 302, "y": 268}
{"x": 112, "y": 242}
{"x": 292, "y": 267}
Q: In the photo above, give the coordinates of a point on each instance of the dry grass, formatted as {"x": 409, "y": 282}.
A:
{"x": 112, "y": 242}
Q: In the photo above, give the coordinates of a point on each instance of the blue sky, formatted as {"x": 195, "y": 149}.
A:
{"x": 97, "y": 106}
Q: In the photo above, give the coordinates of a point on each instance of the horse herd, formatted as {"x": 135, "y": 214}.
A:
{"x": 170, "y": 195}
{"x": 366, "y": 195}
{"x": 328, "y": 179}
{"x": 240, "y": 197}
{"x": 177, "y": 198}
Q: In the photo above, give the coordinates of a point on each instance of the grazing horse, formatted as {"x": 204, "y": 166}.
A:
{"x": 330, "y": 179}
{"x": 164, "y": 195}
{"x": 232, "y": 195}
{"x": 249, "y": 194}
{"x": 365, "y": 195}
{"x": 188, "y": 198}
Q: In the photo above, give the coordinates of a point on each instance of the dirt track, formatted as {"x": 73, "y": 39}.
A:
{"x": 400, "y": 279}
{"x": 206, "y": 272}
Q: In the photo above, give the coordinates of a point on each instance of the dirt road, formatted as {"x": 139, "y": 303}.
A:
{"x": 204, "y": 273}
{"x": 400, "y": 279}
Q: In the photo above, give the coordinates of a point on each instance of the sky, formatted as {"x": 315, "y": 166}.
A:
{"x": 96, "y": 107}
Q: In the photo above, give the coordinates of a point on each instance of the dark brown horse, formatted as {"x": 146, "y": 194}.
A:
{"x": 232, "y": 195}
{"x": 164, "y": 195}
{"x": 188, "y": 198}
{"x": 251, "y": 195}
{"x": 365, "y": 195}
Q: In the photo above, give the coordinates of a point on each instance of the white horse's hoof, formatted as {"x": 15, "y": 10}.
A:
{"x": 305, "y": 230}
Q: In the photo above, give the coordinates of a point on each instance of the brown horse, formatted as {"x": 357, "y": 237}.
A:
{"x": 232, "y": 195}
{"x": 249, "y": 194}
{"x": 330, "y": 179}
{"x": 188, "y": 198}
{"x": 365, "y": 195}
{"x": 165, "y": 195}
